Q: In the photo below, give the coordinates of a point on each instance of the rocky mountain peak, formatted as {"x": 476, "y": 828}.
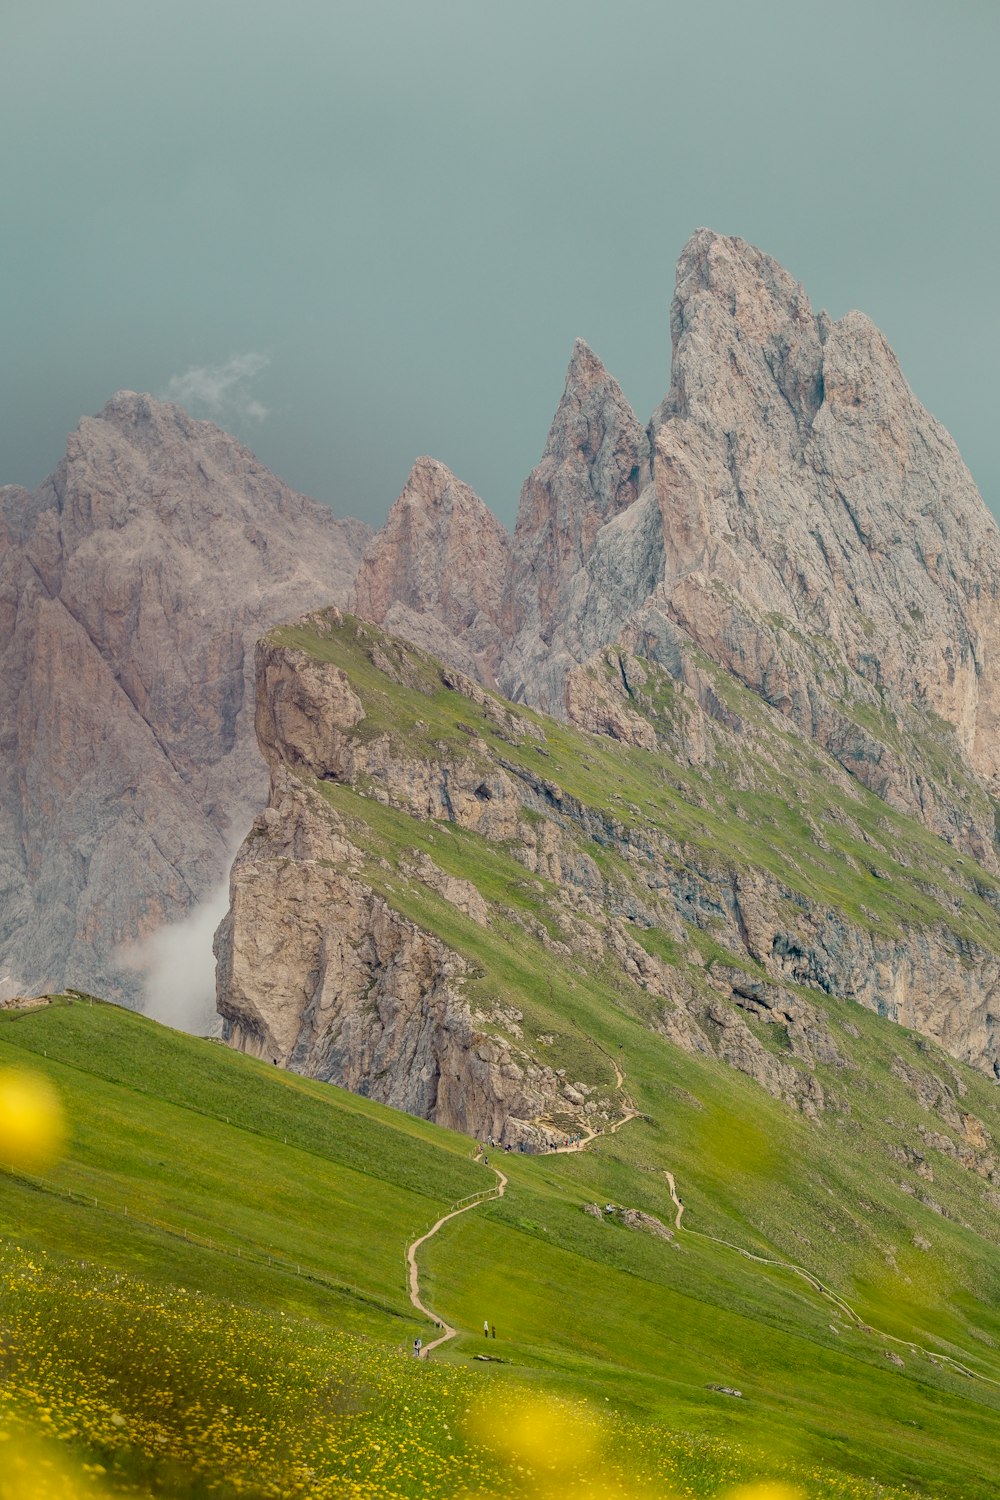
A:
{"x": 585, "y": 374}
{"x": 596, "y": 432}
{"x": 817, "y": 521}
{"x": 739, "y": 276}
{"x": 133, "y": 583}
{"x": 740, "y": 323}
{"x": 794, "y": 515}
{"x": 594, "y": 467}
{"x": 435, "y": 572}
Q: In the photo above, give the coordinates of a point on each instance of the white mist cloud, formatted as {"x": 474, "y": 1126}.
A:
{"x": 178, "y": 966}
{"x": 222, "y": 392}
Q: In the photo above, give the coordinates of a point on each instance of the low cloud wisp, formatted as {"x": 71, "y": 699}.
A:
{"x": 178, "y": 967}
{"x": 222, "y": 392}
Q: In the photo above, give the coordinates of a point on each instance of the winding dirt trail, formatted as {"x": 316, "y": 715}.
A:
{"x": 629, "y": 1112}
{"x": 462, "y": 1207}
{"x": 489, "y": 1195}
{"x": 812, "y": 1280}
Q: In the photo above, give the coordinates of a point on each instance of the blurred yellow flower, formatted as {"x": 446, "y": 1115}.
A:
{"x": 32, "y": 1120}
{"x": 540, "y": 1432}
{"x": 37, "y": 1472}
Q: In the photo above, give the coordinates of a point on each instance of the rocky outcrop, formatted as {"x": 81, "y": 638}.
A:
{"x": 332, "y": 960}
{"x": 133, "y": 584}
{"x": 319, "y": 973}
{"x": 435, "y": 572}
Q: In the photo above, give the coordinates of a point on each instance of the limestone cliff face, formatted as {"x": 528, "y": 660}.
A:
{"x": 435, "y": 572}
{"x": 359, "y": 951}
{"x": 320, "y": 974}
{"x": 822, "y": 539}
{"x": 319, "y": 971}
{"x": 133, "y": 583}
{"x": 795, "y": 517}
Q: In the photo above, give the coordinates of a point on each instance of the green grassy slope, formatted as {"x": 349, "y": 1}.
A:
{"x": 237, "y": 1233}
{"x": 826, "y": 840}
{"x": 251, "y": 1161}
{"x": 868, "y": 1198}
{"x": 194, "y": 1153}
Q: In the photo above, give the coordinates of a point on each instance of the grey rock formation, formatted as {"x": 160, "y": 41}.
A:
{"x": 822, "y": 539}
{"x": 319, "y": 973}
{"x": 806, "y": 525}
{"x": 784, "y": 596}
{"x": 435, "y": 573}
{"x": 133, "y": 584}
{"x": 324, "y": 967}
{"x": 595, "y": 465}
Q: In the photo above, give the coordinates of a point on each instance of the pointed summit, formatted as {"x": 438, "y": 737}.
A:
{"x": 435, "y": 571}
{"x": 798, "y": 479}
{"x": 595, "y": 463}
{"x": 585, "y": 370}
{"x": 740, "y": 325}
{"x": 591, "y": 420}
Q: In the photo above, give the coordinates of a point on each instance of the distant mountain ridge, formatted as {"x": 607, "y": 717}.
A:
{"x": 791, "y": 522}
{"x": 133, "y": 584}
{"x": 791, "y": 513}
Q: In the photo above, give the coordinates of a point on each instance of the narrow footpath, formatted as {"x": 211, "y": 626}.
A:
{"x": 844, "y": 1308}
{"x": 489, "y": 1195}
{"x": 462, "y": 1207}
{"x": 629, "y": 1112}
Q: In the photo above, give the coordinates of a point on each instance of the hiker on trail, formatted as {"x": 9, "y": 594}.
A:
{"x": 494, "y": 1330}
{"x": 418, "y": 1344}
{"x": 486, "y": 1328}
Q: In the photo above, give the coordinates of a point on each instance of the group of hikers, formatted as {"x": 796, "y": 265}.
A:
{"x": 489, "y": 1331}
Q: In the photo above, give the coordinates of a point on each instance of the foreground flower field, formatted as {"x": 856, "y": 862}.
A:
{"x": 114, "y": 1387}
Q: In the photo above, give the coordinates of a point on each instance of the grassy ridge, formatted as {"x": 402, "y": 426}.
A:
{"x": 632, "y": 1323}
{"x": 798, "y": 822}
{"x": 213, "y": 1203}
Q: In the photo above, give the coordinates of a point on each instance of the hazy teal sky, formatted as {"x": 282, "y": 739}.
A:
{"x": 409, "y": 210}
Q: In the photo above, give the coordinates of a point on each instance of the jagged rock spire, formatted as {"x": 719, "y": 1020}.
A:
{"x": 435, "y": 572}
{"x": 595, "y": 464}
